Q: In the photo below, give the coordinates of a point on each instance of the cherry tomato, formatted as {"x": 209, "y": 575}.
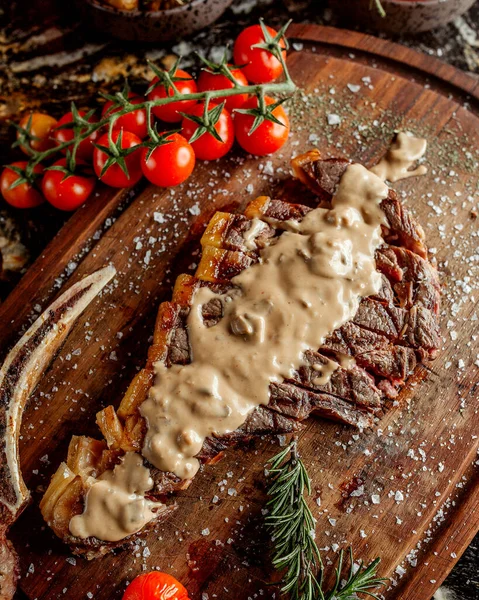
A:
{"x": 70, "y": 192}
{"x": 215, "y": 81}
{"x": 261, "y": 65}
{"x": 207, "y": 147}
{"x": 169, "y": 164}
{"x": 170, "y": 112}
{"x": 114, "y": 175}
{"x": 134, "y": 122}
{"x": 268, "y": 137}
{"x": 40, "y": 127}
{"x": 24, "y": 195}
{"x": 85, "y": 149}
{"x": 155, "y": 586}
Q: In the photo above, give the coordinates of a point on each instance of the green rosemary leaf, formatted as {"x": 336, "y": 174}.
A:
{"x": 291, "y": 525}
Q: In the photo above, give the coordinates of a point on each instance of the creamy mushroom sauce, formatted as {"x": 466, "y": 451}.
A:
{"x": 308, "y": 282}
{"x": 115, "y": 505}
{"x": 400, "y": 157}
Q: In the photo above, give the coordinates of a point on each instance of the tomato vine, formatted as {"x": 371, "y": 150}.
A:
{"x": 78, "y": 131}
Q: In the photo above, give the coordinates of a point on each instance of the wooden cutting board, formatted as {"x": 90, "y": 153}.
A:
{"x": 418, "y": 464}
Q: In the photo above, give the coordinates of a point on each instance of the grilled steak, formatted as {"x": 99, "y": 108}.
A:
{"x": 376, "y": 351}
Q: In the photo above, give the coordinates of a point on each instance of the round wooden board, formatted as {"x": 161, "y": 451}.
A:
{"x": 425, "y": 446}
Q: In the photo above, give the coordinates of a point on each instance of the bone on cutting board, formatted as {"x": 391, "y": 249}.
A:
{"x": 19, "y": 374}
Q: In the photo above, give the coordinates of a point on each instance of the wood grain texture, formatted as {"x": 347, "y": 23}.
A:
{"x": 419, "y": 461}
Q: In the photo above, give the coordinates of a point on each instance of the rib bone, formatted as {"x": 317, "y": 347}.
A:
{"x": 19, "y": 374}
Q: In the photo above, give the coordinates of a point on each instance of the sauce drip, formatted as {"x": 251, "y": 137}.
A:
{"x": 308, "y": 282}
{"x": 401, "y": 156}
{"x": 324, "y": 371}
{"x": 115, "y": 504}
{"x": 250, "y": 234}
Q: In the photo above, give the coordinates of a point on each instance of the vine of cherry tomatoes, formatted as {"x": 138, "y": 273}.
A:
{"x": 207, "y": 130}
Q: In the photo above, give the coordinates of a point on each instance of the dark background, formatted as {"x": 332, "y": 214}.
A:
{"x": 49, "y": 58}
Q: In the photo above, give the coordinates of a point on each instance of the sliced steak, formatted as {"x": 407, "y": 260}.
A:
{"x": 351, "y": 384}
{"x": 299, "y": 403}
{"x": 372, "y": 351}
{"x": 389, "y": 334}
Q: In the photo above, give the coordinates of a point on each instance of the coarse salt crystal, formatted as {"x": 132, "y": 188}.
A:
{"x": 334, "y": 119}
{"x": 195, "y": 209}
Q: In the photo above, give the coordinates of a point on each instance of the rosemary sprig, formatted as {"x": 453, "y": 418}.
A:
{"x": 292, "y": 528}
{"x": 292, "y": 525}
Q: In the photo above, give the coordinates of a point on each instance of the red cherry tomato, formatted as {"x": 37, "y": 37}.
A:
{"x": 24, "y": 195}
{"x": 261, "y": 65}
{"x": 134, "y": 122}
{"x": 155, "y": 586}
{"x": 40, "y": 127}
{"x": 207, "y": 147}
{"x": 170, "y": 112}
{"x": 85, "y": 149}
{"x": 70, "y": 192}
{"x": 268, "y": 137}
{"x": 114, "y": 175}
{"x": 215, "y": 81}
{"x": 169, "y": 164}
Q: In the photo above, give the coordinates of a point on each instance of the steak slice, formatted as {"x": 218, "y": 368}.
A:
{"x": 300, "y": 403}
{"x": 322, "y": 177}
{"x": 373, "y": 354}
{"x": 351, "y": 384}
{"x": 416, "y": 281}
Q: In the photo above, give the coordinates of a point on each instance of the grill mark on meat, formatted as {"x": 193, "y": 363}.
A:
{"x": 373, "y": 352}
{"x": 300, "y": 403}
{"x": 353, "y": 385}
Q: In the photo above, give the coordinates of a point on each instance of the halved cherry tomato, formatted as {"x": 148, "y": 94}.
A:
{"x": 67, "y": 192}
{"x": 260, "y": 65}
{"x": 268, "y": 137}
{"x": 134, "y": 122}
{"x": 24, "y": 195}
{"x": 171, "y": 112}
{"x": 114, "y": 176}
{"x": 169, "y": 164}
{"x": 214, "y": 81}
{"x": 155, "y": 586}
{"x": 40, "y": 127}
{"x": 207, "y": 147}
{"x": 85, "y": 149}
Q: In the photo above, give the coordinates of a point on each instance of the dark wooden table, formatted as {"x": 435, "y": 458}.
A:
{"x": 49, "y": 58}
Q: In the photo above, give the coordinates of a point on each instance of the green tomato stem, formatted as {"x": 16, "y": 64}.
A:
{"x": 259, "y": 90}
